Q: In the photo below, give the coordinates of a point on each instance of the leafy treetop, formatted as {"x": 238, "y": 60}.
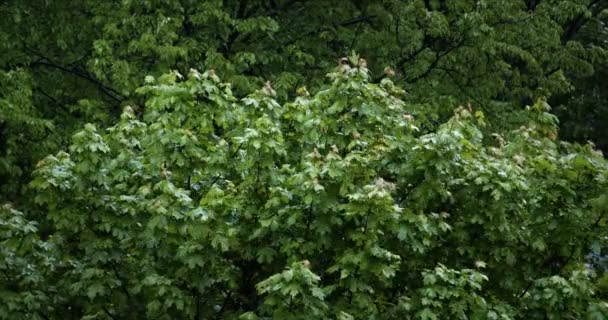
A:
{"x": 342, "y": 204}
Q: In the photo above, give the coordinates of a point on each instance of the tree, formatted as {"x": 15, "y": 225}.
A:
{"x": 339, "y": 204}
{"x": 84, "y": 59}
{"x": 118, "y": 227}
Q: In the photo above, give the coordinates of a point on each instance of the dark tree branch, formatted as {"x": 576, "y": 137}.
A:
{"x": 401, "y": 63}
{"x": 443, "y": 6}
{"x": 426, "y": 43}
{"x": 397, "y": 32}
{"x": 575, "y": 25}
{"x": 438, "y": 56}
{"x": 365, "y": 18}
{"x": 357, "y": 31}
{"x": 552, "y": 71}
{"x": 42, "y": 315}
{"x": 123, "y": 288}
{"x": 240, "y": 13}
{"x": 361, "y": 19}
{"x": 288, "y": 4}
{"x": 427, "y": 4}
{"x": 45, "y": 61}
{"x": 450, "y": 73}
{"x": 52, "y": 99}
{"x": 308, "y": 221}
{"x": 433, "y": 64}
{"x": 109, "y": 313}
{"x": 197, "y": 297}
{"x": 111, "y": 93}
{"x": 224, "y": 304}
{"x": 532, "y": 4}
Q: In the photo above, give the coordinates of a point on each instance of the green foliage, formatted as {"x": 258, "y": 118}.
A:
{"x": 21, "y": 129}
{"x": 339, "y": 204}
{"x": 193, "y": 197}
{"x": 497, "y": 56}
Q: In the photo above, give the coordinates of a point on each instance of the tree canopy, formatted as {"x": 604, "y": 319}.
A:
{"x": 187, "y": 159}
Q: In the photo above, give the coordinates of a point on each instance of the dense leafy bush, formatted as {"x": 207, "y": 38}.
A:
{"x": 343, "y": 204}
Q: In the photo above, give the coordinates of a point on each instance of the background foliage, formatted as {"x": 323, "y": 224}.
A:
{"x": 368, "y": 197}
